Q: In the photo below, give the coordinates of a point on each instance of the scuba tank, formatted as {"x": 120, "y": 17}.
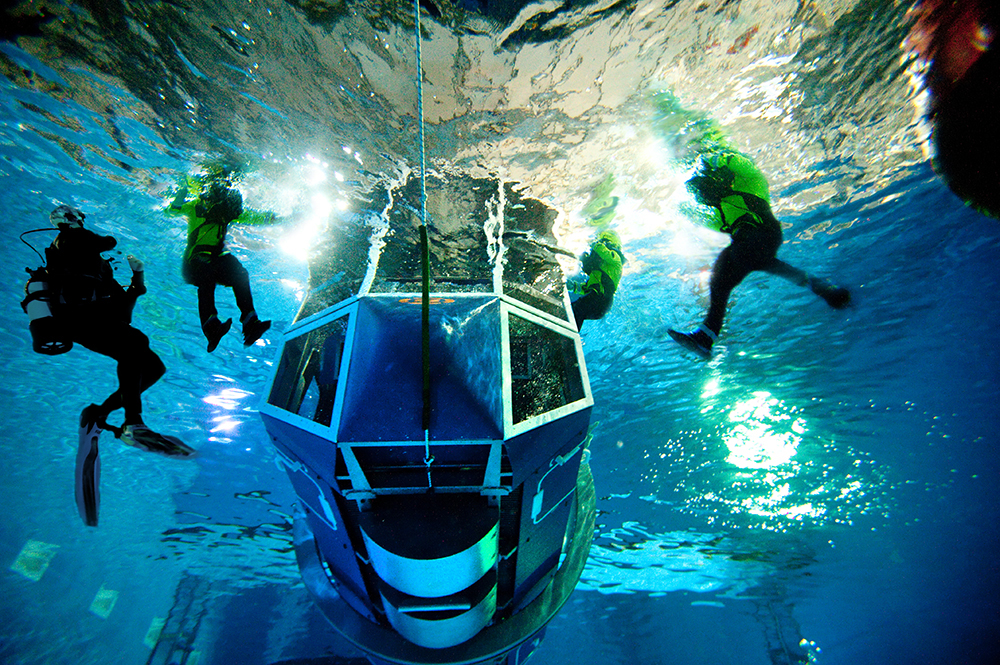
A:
{"x": 47, "y": 335}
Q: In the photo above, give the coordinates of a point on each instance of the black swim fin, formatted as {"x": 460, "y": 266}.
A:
{"x": 88, "y": 466}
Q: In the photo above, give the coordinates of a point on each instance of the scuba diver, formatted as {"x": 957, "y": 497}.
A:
{"x": 82, "y": 303}
{"x": 603, "y": 267}
{"x": 731, "y": 184}
{"x": 209, "y": 210}
{"x": 96, "y": 312}
{"x": 75, "y": 298}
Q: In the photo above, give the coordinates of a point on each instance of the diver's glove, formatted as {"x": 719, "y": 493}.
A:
{"x": 135, "y": 264}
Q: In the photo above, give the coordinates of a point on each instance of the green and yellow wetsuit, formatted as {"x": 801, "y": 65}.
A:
{"x": 603, "y": 266}
{"x": 730, "y": 183}
{"x": 208, "y": 214}
{"x": 736, "y": 189}
{"x": 205, "y": 262}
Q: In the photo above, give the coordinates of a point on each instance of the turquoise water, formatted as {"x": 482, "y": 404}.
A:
{"x": 823, "y": 490}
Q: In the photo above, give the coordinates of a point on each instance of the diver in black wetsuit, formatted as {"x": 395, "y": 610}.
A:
{"x": 731, "y": 184}
{"x": 95, "y": 311}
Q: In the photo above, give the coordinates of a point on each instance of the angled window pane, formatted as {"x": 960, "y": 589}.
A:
{"x": 306, "y": 383}
{"x": 544, "y": 368}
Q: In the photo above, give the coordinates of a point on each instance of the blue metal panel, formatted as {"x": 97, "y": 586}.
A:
{"x": 545, "y": 508}
{"x": 533, "y": 585}
{"x": 382, "y": 398}
{"x": 343, "y": 562}
{"x": 553, "y": 486}
{"x": 533, "y": 449}
{"x": 317, "y": 453}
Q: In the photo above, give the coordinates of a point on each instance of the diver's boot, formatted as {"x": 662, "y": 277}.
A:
{"x": 215, "y": 330}
{"x": 92, "y": 418}
{"x": 699, "y": 340}
{"x": 835, "y": 296}
{"x": 253, "y": 328}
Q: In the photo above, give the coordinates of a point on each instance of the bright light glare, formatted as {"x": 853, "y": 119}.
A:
{"x": 686, "y": 243}
{"x": 228, "y": 398}
{"x": 711, "y": 388}
{"x": 756, "y": 441}
{"x": 298, "y": 242}
{"x": 297, "y": 288}
{"x": 314, "y": 174}
{"x": 225, "y": 425}
{"x": 658, "y": 155}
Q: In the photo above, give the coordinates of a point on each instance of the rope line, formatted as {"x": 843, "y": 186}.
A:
{"x": 425, "y": 330}
{"x": 420, "y": 115}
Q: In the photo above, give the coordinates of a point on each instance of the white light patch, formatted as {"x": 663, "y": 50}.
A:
{"x": 756, "y": 442}
{"x": 313, "y": 175}
{"x": 228, "y": 399}
{"x": 299, "y": 241}
{"x": 711, "y": 389}
{"x": 225, "y": 424}
{"x": 295, "y": 287}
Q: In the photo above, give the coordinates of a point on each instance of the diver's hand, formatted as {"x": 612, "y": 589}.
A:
{"x": 179, "y": 198}
{"x": 135, "y": 264}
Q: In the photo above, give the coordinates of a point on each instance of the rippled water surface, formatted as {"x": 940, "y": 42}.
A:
{"x": 823, "y": 490}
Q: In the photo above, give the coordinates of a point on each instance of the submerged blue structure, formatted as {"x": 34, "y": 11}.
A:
{"x": 436, "y": 438}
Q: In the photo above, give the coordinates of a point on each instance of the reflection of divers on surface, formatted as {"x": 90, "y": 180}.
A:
{"x": 455, "y": 537}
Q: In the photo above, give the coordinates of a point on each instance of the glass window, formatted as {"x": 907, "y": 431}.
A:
{"x": 306, "y": 383}
{"x": 544, "y": 369}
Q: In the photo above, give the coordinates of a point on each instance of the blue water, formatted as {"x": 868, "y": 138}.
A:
{"x": 823, "y": 490}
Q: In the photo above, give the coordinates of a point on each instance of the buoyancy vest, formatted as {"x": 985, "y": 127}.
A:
{"x": 206, "y": 231}
{"x": 75, "y": 277}
{"x": 76, "y": 270}
{"x": 208, "y": 218}
{"x": 603, "y": 260}
{"x": 730, "y": 183}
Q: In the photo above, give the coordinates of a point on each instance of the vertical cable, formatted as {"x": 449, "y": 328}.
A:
{"x": 420, "y": 116}
{"x": 425, "y": 261}
{"x": 425, "y": 328}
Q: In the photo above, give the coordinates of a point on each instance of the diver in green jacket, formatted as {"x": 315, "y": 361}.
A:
{"x": 207, "y": 263}
{"x": 731, "y": 184}
{"x": 603, "y": 267}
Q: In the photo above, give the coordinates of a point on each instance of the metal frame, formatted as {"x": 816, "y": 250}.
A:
{"x": 349, "y": 308}
{"x": 510, "y": 429}
{"x": 501, "y": 638}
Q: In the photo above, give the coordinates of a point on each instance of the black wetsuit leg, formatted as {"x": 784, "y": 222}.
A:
{"x": 138, "y": 366}
{"x": 789, "y": 272}
{"x": 835, "y": 296}
{"x": 230, "y": 272}
{"x": 752, "y": 248}
{"x": 206, "y": 301}
{"x": 594, "y": 304}
{"x": 225, "y": 270}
